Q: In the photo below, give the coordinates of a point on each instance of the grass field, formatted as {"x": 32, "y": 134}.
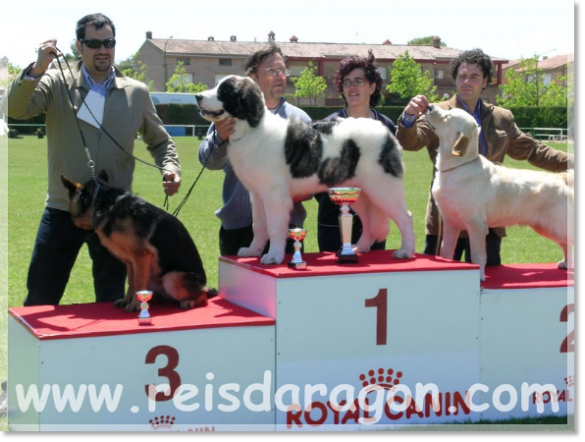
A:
{"x": 27, "y": 181}
{"x": 27, "y": 189}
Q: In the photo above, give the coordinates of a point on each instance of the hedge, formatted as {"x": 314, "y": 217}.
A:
{"x": 555, "y": 117}
{"x": 525, "y": 116}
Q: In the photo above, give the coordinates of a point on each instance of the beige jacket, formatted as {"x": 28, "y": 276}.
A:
{"x": 128, "y": 110}
{"x": 502, "y": 137}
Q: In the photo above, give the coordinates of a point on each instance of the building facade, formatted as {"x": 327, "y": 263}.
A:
{"x": 553, "y": 68}
{"x": 208, "y": 61}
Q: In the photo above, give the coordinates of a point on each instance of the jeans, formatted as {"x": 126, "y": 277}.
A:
{"x": 56, "y": 248}
{"x": 492, "y": 242}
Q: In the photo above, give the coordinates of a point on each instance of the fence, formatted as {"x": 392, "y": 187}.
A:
{"x": 547, "y": 133}
{"x": 175, "y": 130}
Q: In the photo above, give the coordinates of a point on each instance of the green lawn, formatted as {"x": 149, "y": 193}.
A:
{"x": 26, "y": 194}
{"x": 27, "y": 187}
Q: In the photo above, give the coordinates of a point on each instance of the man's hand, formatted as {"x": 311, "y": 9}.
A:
{"x": 171, "y": 183}
{"x": 47, "y": 52}
{"x": 225, "y": 128}
{"x": 417, "y": 106}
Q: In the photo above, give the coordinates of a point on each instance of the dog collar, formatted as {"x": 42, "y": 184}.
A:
{"x": 460, "y": 165}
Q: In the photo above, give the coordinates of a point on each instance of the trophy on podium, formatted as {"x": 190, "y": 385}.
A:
{"x": 344, "y": 196}
{"x": 144, "y": 317}
{"x": 297, "y": 235}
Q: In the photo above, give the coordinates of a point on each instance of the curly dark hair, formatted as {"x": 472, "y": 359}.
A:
{"x": 372, "y": 75}
{"x": 97, "y": 20}
{"x": 476, "y": 56}
{"x": 257, "y": 57}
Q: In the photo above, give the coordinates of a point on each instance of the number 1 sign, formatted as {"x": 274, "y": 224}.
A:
{"x": 377, "y": 328}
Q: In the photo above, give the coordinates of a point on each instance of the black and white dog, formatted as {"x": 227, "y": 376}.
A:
{"x": 280, "y": 160}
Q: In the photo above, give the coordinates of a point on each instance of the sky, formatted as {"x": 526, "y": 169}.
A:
{"x": 508, "y": 29}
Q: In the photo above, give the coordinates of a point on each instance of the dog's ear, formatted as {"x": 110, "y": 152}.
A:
{"x": 252, "y": 102}
{"x": 460, "y": 146}
{"x": 71, "y": 185}
{"x": 242, "y": 99}
{"x": 103, "y": 176}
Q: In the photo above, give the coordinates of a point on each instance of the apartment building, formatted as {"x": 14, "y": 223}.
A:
{"x": 208, "y": 61}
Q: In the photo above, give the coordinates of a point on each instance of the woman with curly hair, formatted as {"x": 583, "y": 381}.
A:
{"x": 360, "y": 85}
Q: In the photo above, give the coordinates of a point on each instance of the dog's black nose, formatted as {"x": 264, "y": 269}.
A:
{"x": 431, "y": 107}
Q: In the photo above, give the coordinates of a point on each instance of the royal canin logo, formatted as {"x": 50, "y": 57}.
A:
{"x": 162, "y": 422}
{"x": 374, "y": 380}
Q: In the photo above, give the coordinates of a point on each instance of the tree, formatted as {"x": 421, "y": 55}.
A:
{"x": 525, "y": 87}
{"x": 555, "y": 93}
{"x": 179, "y": 82}
{"x": 128, "y": 69}
{"x": 13, "y": 71}
{"x": 308, "y": 85}
{"x": 74, "y": 56}
{"x": 424, "y": 41}
{"x": 408, "y": 79}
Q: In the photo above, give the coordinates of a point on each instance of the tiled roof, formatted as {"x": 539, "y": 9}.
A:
{"x": 206, "y": 48}
{"x": 556, "y": 61}
{"x": 546, "y": 64}
{"x": 511, "y": 63}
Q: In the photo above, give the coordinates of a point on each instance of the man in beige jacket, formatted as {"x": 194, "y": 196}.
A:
{"x": 499, "y": 136}
{"x": 127, "y": 110}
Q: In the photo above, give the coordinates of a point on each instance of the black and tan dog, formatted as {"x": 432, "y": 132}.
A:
{"x": 155, "y": 246}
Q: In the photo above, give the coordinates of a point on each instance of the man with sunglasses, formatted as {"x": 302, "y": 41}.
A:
{"x": 102, "y": 125}
{"x": 267, "y": 68}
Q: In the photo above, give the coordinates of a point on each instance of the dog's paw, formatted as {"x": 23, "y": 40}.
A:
{"x": 188, "y": 304}
{"x": 133, "y": 306}
{"x": 402, "y": 254}
{"x": 562, "y": 265}
{"x": 211, "y": 292}
{"x": 270, "y": 259}
{"x": 120, "y": 303}
{"x": 361, "y": 248}
{"x": 364, "y": 245}
{"x": 248, "y": 252}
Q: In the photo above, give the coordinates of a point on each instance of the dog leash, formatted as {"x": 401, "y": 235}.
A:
{"x": 91, "y": 163}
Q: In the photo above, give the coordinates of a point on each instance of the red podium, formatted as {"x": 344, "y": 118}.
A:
{"x": 89, "y": 367}
{"x": 378, "y": 327}
{"x": 367, "y": 346}
{"x": 527, "y": 339}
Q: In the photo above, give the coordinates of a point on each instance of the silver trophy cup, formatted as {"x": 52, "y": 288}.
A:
{"x": 297, "y": 261}
{"x": 344, "y": 196}
{"x": 144, "y": 317}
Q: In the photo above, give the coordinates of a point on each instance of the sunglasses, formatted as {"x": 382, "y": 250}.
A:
{"x": 94, "y": 43}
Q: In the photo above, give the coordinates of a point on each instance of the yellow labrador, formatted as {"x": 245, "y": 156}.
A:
{"x": 473, "y": 194}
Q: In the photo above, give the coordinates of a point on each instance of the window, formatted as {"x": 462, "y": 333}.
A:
{"x": 383, "y": 73}
{"x": 185, "y": 60}
{"x": 225, "y": 61}
{"x": 219, "y": 77}
{"x": 184, "y": 79}
{"x": 295, "y": 71}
